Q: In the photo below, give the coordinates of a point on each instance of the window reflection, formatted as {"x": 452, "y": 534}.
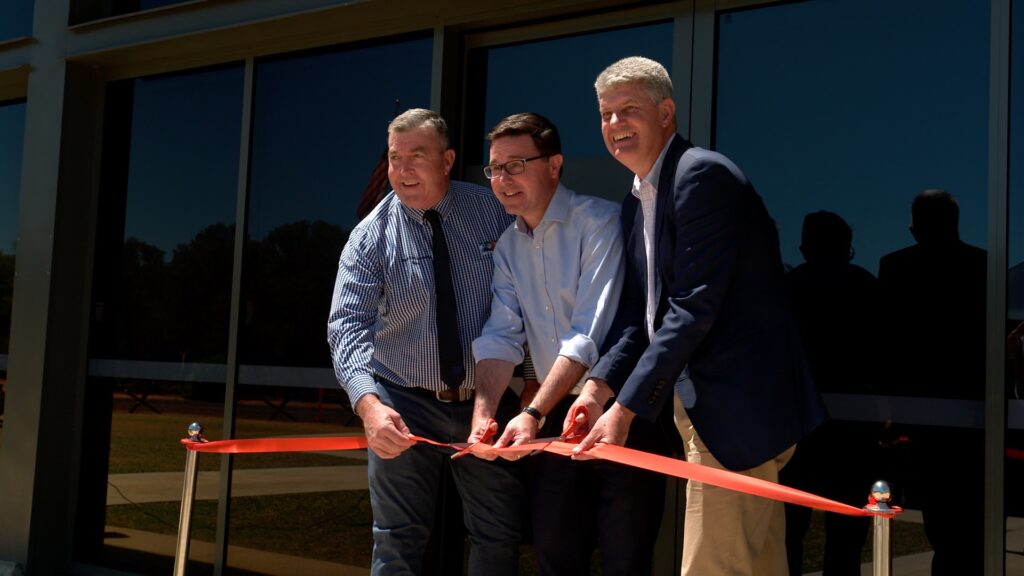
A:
{"x": 855, "y": 108}
{"x": 556, "y": 78}
{"x": 15, "y": 19}
{"x": 1015, "y": 274}
{"x": 161, "y": 304}
{"x": 12, "y": 129}
{"x": 318, "y": 137}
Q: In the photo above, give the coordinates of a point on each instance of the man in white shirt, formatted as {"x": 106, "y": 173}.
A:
{"x": 557, "y": 280}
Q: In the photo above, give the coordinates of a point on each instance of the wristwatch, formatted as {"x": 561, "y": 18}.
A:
{"x": 536, "y": 414}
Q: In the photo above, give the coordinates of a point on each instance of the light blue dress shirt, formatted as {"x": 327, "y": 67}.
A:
{"x": 556, "y": 287}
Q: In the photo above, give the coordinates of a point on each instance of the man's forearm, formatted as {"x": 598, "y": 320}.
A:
{"x": 564, "y": 374}
{"x": 492, "y": 378}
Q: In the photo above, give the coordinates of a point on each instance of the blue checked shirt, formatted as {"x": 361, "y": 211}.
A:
{"x": 557, "y": 287}
{"x": 383, "y": 311}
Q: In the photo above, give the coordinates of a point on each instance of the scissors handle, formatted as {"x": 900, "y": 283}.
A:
{"x": 571, "y": 431}
{"x": 492, "y": 428}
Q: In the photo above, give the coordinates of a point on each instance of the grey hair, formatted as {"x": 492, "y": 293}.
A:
{"x": 650, "y": 75}
{"x": 417, "y": 117}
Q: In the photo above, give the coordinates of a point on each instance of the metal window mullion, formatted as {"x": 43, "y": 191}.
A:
{"x": 998, "y": 196}
{"x": 241, "y": 226}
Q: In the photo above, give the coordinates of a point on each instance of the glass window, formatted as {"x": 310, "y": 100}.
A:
{"x": 855, "y": 108}
{"x": 12, "y": 131}
{"x": 15, "y": 19}
{"x": 1015, "y": 278}
{"x": 556, "y": 79}
{"x": 318, "y": 140}
{"x": 161, "y": 304}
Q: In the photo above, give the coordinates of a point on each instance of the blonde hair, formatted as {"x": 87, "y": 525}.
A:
{"x": 649, "y": 74}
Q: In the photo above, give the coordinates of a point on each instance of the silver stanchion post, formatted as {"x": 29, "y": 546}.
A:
{"x": 188, "y": 498}
{"x": 878, "y": 504}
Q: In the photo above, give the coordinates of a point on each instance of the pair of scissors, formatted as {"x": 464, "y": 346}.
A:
{"x": 492, "y": 428}
{"x": 571, "y": 433}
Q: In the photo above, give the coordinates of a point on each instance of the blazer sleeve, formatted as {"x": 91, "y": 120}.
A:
{"x": 704, "y": 221}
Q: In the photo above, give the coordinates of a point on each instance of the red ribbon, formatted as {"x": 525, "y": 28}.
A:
{"x": 612, "y": 453}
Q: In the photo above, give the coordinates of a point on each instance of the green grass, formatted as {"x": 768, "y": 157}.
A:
{"x": 150, "y": 443}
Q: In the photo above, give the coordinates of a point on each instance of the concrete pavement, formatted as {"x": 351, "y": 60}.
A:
{"x": 167, "y": 487}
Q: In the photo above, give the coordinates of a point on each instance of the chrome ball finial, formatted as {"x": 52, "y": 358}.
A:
{"x": 195, "y": 432}
{"x": 880, "y": 492}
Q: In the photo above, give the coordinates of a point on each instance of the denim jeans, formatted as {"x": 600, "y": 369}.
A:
{"x": 404, "y": 490}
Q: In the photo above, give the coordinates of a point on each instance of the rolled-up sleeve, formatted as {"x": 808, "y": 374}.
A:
{"x": 599, "y": 289}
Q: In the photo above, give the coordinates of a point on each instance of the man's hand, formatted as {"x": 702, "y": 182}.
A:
{"x": 611, "y": 428}
{"x": 386, "y": 432}
{"x": 483, "y": 427}
{"x": 592, "y": 397}
{"x": 522, "y": 428}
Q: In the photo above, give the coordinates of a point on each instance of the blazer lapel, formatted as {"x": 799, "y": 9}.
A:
{"x": 664, "y": 211}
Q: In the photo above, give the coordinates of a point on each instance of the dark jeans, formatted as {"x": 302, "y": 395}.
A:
{"x": 404, "y": 490}
{"x": 579, "y": 505}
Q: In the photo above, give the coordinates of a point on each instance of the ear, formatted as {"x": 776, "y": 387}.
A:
{"x": 449, "y": 160}
{"x": 667, "y": 111}
{"x": 555, "y": 165}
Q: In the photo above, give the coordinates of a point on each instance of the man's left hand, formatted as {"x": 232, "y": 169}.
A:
{"x": 520, "y": 429}
{"x": 611, "y": 428}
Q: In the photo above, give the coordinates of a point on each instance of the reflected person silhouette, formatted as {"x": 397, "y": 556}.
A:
{"x": 934, "y": 299}
{"x": 835, "y": 302}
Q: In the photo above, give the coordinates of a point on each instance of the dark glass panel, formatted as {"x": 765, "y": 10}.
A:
{"x": 556, "y": 78}
{"x": 161, "y": 293}
{"x": 15, "y": 19}
{"x": 12, "y": 133}
{"x": 1015, "y": 289}
{"x": 318, "y": 138}
{"x": 855, "y": 108}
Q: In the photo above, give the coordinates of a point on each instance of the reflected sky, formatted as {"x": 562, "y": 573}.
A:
{"x": 1017, "y": 136}
{"x": 856, "y": 107}
{"x": 12, "y": 129}
{"x": 15, "y": 19}
{"x": 183, "y": 166}
{"x": 555, "y": 78}
{"x": 320, "y": 127}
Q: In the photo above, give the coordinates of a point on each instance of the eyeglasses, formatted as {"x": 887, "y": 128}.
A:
{"x": 512, "y": 167}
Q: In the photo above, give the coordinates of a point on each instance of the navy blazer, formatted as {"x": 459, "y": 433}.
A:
{"x": 723, "y": 311}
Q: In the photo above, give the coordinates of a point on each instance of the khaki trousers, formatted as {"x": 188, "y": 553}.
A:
{"x": 727, "y": 533}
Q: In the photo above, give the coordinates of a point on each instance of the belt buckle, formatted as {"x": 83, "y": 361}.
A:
{"x": 457, "y": 395}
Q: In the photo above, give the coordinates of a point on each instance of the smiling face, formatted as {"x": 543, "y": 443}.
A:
{"x": 418, "y": 166}
{"x": 634, "y": 127}
{"x": 526, "y": 194}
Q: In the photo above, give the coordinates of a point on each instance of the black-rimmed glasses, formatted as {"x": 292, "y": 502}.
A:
{"x": 512, "y": 167}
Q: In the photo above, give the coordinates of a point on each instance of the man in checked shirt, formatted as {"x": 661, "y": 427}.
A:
{"x": 384, "y": 342}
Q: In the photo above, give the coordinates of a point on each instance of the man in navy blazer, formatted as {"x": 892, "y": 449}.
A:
{"x": 708, "y": 317}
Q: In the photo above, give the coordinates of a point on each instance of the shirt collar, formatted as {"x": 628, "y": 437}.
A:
{"x": 445, "y": 207}
{"x": 655, "y": 173}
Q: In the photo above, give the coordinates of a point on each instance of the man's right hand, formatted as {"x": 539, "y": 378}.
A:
{"x": 386, "y": 432}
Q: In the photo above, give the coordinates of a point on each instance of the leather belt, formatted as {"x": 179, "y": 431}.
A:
{"x": 447, "y": 395}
